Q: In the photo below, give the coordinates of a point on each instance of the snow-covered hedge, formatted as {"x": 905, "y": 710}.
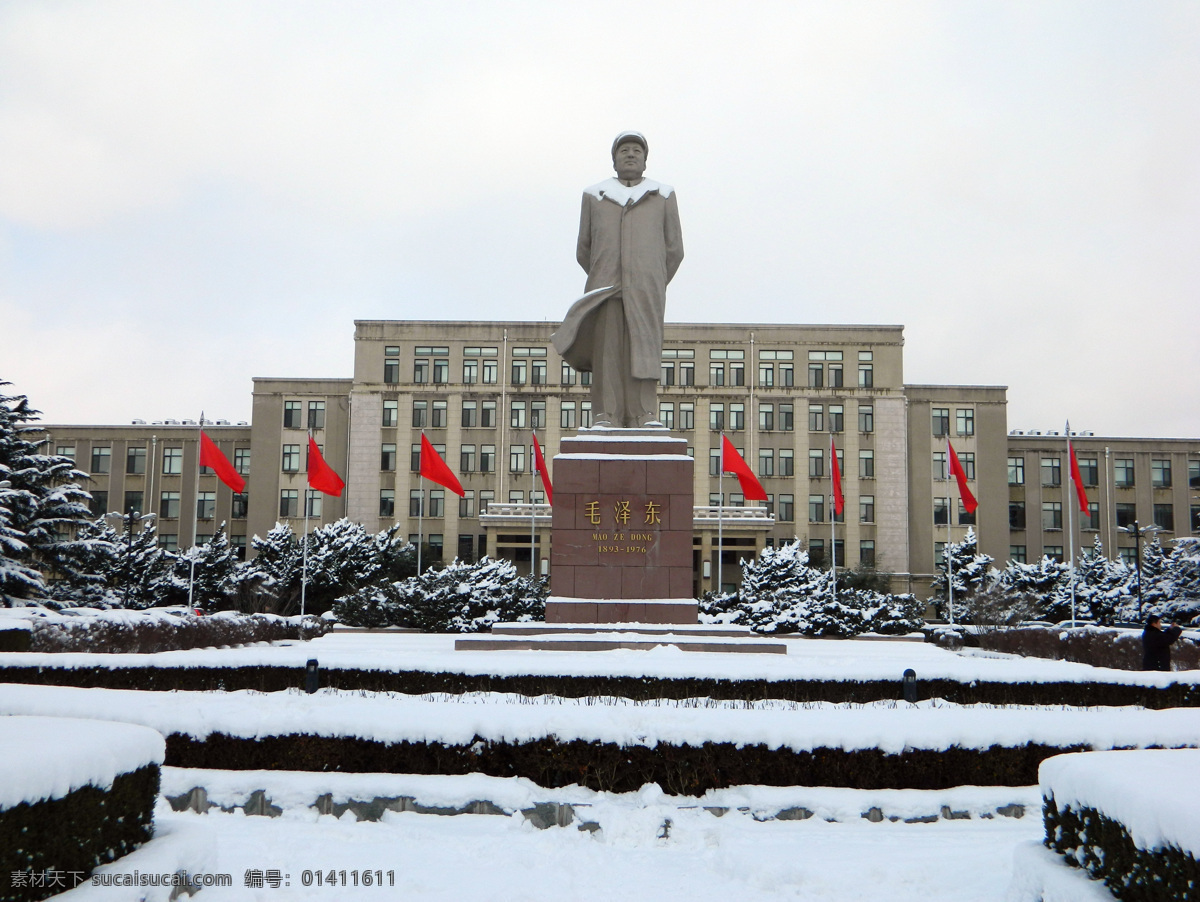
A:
{"x": 74, "y": 794}
{"x": 781, "y": 593}
{"x": 155, "y": 630}
{"x": 1128, "y": 818}
{"x": 1098, "y": 646}
{"x": 462, "y": 598}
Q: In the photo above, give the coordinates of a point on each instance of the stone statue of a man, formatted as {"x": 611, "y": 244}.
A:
{"x": 630, "y": 246}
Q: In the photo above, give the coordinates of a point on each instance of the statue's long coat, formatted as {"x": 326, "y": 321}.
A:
{"x": 630, "y": 244}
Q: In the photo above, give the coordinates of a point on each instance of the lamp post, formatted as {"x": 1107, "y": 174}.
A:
{"x": 1137, "y": 532}
{"x": 127, "y": 568}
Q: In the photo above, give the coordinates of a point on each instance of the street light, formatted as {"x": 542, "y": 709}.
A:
{"x": 129, "y": 519}
{"x": 1137, "y": 532}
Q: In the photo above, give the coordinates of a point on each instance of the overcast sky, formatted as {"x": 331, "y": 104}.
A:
{"x": 194, "y": 194}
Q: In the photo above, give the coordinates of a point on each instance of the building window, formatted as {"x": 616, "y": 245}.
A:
{"x": 837, "y": 418}
{"x": 1123, "y": 472}
{"x": 716, "y": 374}
{"x": 134, "y": 501}
{"x": 416, "y": 499}
{"x": 420, "y": 371}
{"x": 437, "y": 502}
{"x": 1160, "y": 474}
{"x": 1195, "y": 518}
{"x": 816, "y": 418}
{"x": 313, "y": 503}
{"x": 787, "y": 462}
{"x": 1091, "y": 520}
{"x": 65, "y": 451}
{"x": 964, "y": 421}
{"x": 965, "y": 517}
{"x": 737, "y": 417}
{"x": 1126, "y": 513}
{"x": 666, "y": 415}
{"x": 866, "y": 464}
{"x": 1164, "y": 517}
{"x": 316, "y": 414}
{"x": 939, "y": 554}
{"x": 816, "y": 552}
{"x": 816, "y": 375}
{"x": 466, "y": 458}
{"x": 787, "y": 417}
{"x": 1089, "y": 470}
{"x": 487, "y": 460}
{"x": 516, "y": 496}
{"x": 866, "y": 508}
{"x": 241, "y": 460}
{"x": 517, "y": 415}
{"x": 939, "y": 466}
{"x": 866, "y": 418}
{"x": 466, "y": 506}
{"x": 441, "y": 371}
{"x": 568, "y": 375}
{"x": 537, "y": 414}
{"x": 206, "y": 505}
{"x": 471, "y": 372}
{"x": 1016, "y": 515}
{"x": 687, "y": 416}
{"x": 491, "y": 372}
{"x": 1016, "y": 471}
{"x": 816, "y": 463}
{"x": 391, "y": 370}
{"x": 766, "y": 417}
{"x": 687, "y": 373}
{"x": 866, "y": 552}
{"x": 168, "y": 541}
{"x": 1054, "y": 552}
{"x": 941, "y": 511}
{"x": 716, "y": 417}
{"x": 486, "y": 497}
{"x": 787, "y": 375}
{"x": 99, "y": 503}
{"x": 387, "y": 502}
{"x": 469, "y": 414}
{"x": 866, "y": 379}
{"x": 439, "y": 415}
{"x": 1051, "y": 471}
{"x": 168, "y": 505}
{"x": 420, "y": 414}
{"x": 967, "y": 459}
{"x": 766, "y": 462}
{"x": 172, "y": 461}
{"x": 787, "y": 509}
{"x": 566, "y": 415}
{"x": 835, "y": 375}
{"x": 1128, "y": 556}
{"x": 537, "y": 372}
{"x": 941, "y": 421}
{"x": 816, "y": 508}
{"x": 292, "y": 411}
{"x": 291, "y": 458}
{"x": 1051, "y": 515}
{"x": 714, "y": 461}
{"x": 1016, "y": 554}
{"x": 766, "y": 375}
{"x": 387, "y": 456}
{"x": 487, "y": 414}
{"x": 520, "y": 370}
{"x": 241, "y": 505}
{"x": 1194, "y": 474}
{"x": 135, "y": 461}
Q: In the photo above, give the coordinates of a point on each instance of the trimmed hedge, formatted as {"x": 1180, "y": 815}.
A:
{"x": 417, "y": 682}
{"x": 1093, "y": 645}
{"x": 76, "y": 833}
{"x": 605, "y": 766}
{"x": 147, "y": 632}
{"x": 1101, "y": 846}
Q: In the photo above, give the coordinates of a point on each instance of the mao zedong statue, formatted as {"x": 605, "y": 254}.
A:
{"x": 630, "y": 246}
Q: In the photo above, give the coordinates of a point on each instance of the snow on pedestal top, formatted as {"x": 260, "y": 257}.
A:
{"x": 49, "y": 757}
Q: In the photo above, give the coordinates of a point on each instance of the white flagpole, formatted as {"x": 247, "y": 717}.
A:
{"x": 832, "y": 511}
{"x": 949, "y": 537}
{"x": 533, "y": 476}
{"x": 1070, "y": 521}
{"x": 720, "y": 510}
{"x": 195, "y": 518}
{"x": 420, "y": 505}
{"x": 304, "y": 554}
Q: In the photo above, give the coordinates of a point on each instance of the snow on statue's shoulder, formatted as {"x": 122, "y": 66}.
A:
{"x": 612, "y": 189}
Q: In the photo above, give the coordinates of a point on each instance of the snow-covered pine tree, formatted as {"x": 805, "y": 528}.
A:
{"x": 271, "y": 581}
{"x": 1183, "y": 568}
{"x": 215, "y": 572}
{"x": 18, "y": 580}
{"x": 1156, "y": 581}
{"x": 144, "y": 568}
{"x": 972, "y": 573}
{"x": 44, "y": 504}
{"x": 1039, "y": 581}
{"x": 772, "y": 586}
{"x": 893, "y": 615}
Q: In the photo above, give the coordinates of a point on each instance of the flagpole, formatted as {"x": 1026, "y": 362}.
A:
{"x": 949, "y": 555}
{"x": 533, "y": 476}
{"x": 1070, "y": 519}
{"x": 832, "y": 511}
{"x": 720, "y": 511}
{"x": 420, "y": 507}
{"x": 195, "y": 518}
{"x": 304, "y": 552}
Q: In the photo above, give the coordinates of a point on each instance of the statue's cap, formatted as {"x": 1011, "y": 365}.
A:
{"x": 630, "y": 136}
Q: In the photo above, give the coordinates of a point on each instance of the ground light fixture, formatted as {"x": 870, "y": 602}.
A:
{"x": 312, "y": 676}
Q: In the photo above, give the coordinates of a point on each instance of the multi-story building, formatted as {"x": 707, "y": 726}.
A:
{"x": 782, "y": 393}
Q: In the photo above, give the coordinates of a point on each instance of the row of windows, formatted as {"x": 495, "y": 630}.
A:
{"x": 529, "y": 414}
{"x": 1089, "y": 471}
{"x": 964, "y": 421}
{"x": 169, "y": 504}
{"x": 1019, "y": 554}
{"x": 170, "y": 542}
{"x": 135, "y": 460}
{"x": 293, "y": 415}
{"x": 1125, "y": 515}
{"x": 941, "y": 469}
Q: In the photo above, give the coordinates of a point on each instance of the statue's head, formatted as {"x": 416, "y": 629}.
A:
{"x": 629, "y": 153}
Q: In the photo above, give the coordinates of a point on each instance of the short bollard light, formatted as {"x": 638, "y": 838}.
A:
{"x": 910, "y": 685}
{"x": 312, "y": 676}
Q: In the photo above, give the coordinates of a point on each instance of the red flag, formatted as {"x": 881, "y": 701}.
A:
{"x": 211, "y": 457}
{"x": 731, "y": 462}
{"x": 435, "y": 469}
{"x": 968, "y": 500}
{"x": 839, "y": 500}
{"x": 320, "y": 475}
{"x": 1077, "y": 478}
{"x": 540, "y": 463}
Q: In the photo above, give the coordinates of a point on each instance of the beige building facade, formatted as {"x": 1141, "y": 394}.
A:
{"x": 782, "y": 393}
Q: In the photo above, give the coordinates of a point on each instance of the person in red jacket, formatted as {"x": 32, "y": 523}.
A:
{"x": 1156, "y": 643}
